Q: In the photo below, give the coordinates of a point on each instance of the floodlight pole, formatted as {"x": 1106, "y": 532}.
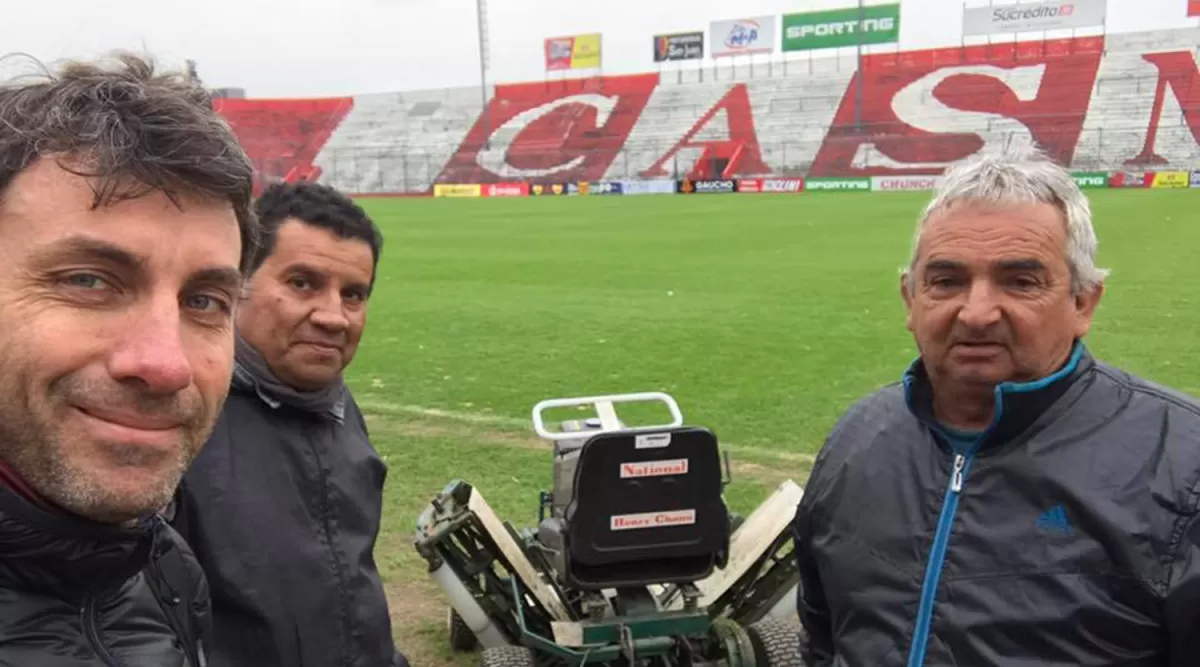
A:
{"x": 858, "y": 73}
{"x": 481, "y": 19}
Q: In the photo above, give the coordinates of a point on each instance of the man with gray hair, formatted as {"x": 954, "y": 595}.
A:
{"x": 1012, "y": 501}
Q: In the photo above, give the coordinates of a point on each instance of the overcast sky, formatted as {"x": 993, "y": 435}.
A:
{"x": 278, "y": 48}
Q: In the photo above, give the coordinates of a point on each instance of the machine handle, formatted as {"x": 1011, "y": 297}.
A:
{"x": 606, "y": 411}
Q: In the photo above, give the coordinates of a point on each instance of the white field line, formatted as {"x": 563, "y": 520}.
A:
{"x": 370, "y": 404}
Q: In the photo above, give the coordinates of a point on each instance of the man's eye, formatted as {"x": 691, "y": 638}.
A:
{"x": 300, "y": 283}
{"x": 87, "y": 281}
{"x": 206, "y": 303}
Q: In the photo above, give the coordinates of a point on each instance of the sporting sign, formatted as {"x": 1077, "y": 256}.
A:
{"x": 574, "y": 52}
{"x": 1026, "y": 17}
{"x": 853, "y": 26}
{"x": 1090, "y": 179}
{"x": 860, "y": 184}
{"x": 680, "y": 46}
{"x": 735, "y": 37}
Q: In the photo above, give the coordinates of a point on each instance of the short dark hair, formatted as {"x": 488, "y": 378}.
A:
{"x": 131, "y": 131}
{"x": 313, "y": 204}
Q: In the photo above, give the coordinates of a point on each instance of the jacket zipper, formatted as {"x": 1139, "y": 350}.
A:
{"x": 937, "y": 557}
{"x": 87, "y": 614}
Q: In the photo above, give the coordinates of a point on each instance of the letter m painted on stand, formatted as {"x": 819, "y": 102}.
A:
{"x": 1179, "y": 72}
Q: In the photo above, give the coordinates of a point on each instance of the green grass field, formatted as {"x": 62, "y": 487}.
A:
{"x": 765, "y": 316}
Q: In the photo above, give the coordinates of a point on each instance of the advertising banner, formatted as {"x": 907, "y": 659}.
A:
{"x": 701, "y": 187}
{"x": 1168, "y": 179}
{"x": 904, "y": 183}
{"x": 506, "y": 190}
{"x": 838, "y": 184}
{"x": 1193, "y": 7}
{"x": 1038, "y": 16}
{"x": 657, "y": 186}
{"x": 457, "y": 190}
{"x": 877, "y": 24}
{"x": 757, "y": 185}
{"x": 1128, "y": 179}
{"x": 1196, "y": 179}
{"x": 1090, "y": 179}
{"x": 736, "y": 37}
{"x": 607, "y": 188}
{"x": 546, "y": 189}
{"x": 574, "y": 52}
{"x": 680, "y": 46}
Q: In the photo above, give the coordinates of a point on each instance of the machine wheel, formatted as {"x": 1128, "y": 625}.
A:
{"x": 776, "y": 643}
{"x": 461, "y": 637}
{"x": 506, "y": 656}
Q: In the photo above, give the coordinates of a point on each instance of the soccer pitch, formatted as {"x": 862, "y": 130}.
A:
{"x": 765, "y": 316}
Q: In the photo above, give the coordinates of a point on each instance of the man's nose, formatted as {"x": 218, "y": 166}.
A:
{"x": 151, "y": 351}
{"x": 982, "y": 307}
{"x": 330, "y": 314}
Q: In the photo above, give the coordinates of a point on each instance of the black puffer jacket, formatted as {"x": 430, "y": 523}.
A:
{"x": 283, "y": 507}
{"x": 1066, "y": 534}
{"x": 74, "y": 593}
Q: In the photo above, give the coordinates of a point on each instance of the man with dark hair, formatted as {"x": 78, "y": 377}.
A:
{"x": 283, "y": 507}
{"x": 125, "y": 225}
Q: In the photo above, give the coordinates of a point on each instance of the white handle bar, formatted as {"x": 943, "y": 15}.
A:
{"x": 605, "y": 411}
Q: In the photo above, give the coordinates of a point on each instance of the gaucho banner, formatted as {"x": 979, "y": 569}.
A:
{"x": 1033, "y": 17}
{"x": 688, "y": 187}
{"x": 680, "y": 46}
{"x": 761, "y": 185}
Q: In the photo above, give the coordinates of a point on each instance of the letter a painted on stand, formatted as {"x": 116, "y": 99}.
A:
{"x": 740, "y": 127}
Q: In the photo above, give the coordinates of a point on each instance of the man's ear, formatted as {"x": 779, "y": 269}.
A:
{"x": 907, "y": 295}
{"x": 1086, "y": 303}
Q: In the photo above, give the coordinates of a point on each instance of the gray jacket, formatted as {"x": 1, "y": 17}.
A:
{"x": 1069, "y": 536}
{"x": 282, "y": 508}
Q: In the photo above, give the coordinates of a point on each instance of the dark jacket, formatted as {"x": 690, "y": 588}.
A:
{"x": 282, "y": 507}
{"x": 74, "y": 593}
{"x": 1070, "y": 537}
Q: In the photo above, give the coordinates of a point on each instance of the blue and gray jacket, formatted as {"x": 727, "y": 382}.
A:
{"x": 1064, "y": 534}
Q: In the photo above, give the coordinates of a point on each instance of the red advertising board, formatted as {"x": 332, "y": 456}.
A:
{"x": 770, "y": 185}
{"x": 505, "y": 190}
{"x": 1193, "y": 7}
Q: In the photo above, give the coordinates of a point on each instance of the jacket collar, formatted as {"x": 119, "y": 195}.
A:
{"x": 66, "y": 556}
{"x": 1018, "y": 404}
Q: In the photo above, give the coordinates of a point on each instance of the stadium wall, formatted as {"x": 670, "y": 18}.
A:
{"x": 1123, "y": 104}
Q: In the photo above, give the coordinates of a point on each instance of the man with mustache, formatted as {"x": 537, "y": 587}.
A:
{"x": 125, "y": 225}
{"x": 1013, "y": 501}
{"x": 283, "y": 507}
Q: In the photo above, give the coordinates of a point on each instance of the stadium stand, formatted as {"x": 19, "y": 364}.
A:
{"x": 1116, "y": 102}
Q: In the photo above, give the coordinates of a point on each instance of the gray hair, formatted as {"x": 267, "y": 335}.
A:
{"x": 130, "y": 130}
{"x": 1024, "y": 176}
